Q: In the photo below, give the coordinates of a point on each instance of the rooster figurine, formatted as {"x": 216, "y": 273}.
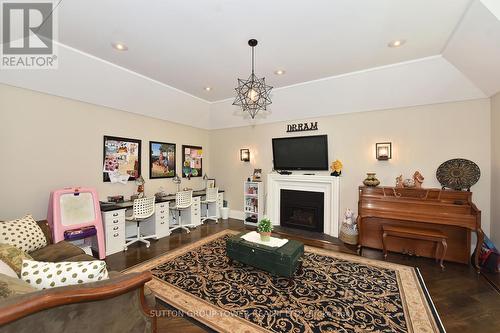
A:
{"x": 418, "y": 179}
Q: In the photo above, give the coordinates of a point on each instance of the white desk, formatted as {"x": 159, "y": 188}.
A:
{"x": 116, "y": 229}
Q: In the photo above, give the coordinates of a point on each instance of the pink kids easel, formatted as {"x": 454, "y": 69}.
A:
{"x": 75, "y": 208}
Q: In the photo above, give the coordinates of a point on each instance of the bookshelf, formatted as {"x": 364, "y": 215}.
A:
{"x": 253, "y": 202}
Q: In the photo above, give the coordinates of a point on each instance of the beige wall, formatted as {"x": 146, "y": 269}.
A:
{"x": 48, "y": 142}
{"x": 423, "y": 137}
{"x": 495, "y": 169}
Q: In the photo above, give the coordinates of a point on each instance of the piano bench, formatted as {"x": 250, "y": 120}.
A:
{"x": 419, "y": 234}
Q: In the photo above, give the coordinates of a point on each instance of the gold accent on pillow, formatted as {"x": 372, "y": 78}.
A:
{"x": 13, "y": 257}
{"x": 10, "y": 286}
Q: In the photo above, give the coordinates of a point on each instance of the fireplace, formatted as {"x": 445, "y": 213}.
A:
{"x": 326, "y": 184}
{"x": 302, "y": 210}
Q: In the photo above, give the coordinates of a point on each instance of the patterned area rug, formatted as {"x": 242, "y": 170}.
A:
{"x": 330, "y": 292}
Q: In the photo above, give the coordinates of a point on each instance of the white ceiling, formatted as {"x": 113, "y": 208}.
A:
{"x": 475, "y": 47}
{"x": 334, "y": 52}
{"x": 493, "y": 6}
{"x": 198, "y": 43}
{"x": 388, "y": 87}
{"x": 92, "y": 80}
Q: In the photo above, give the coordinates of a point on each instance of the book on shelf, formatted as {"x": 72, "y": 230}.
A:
{"x": 253, "y": 202}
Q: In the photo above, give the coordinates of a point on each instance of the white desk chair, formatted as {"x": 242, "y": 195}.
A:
{"x": 210, "y": 199}
{"x": 183, "y": 201}
{"x": 142, "y": 209}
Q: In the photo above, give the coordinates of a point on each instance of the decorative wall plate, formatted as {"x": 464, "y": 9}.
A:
{"x": 458, "y": 174}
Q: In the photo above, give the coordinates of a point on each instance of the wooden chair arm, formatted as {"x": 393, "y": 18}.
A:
{"x": 24, "y": 305}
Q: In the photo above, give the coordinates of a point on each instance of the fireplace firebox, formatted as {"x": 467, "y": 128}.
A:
{"x": 302, "y": 210}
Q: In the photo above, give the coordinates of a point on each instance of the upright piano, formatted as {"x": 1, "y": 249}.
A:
{"x": 451, "y": 212}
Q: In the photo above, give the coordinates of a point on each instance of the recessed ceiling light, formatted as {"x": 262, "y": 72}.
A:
{"x": 207, "y": 88}
{"x": 119, "y": 46}
{"x": 279, "y": 72}
{"x": 396, "y": 43}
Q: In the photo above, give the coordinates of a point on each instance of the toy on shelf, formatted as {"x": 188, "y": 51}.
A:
{"x": 81, "y": 233}
{"x": 349, "y": 229}
{"x": 75, "y": 213}
{"x": 253, "y": 202}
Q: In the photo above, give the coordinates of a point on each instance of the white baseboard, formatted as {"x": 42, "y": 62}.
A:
{"x": 236, "y": 214}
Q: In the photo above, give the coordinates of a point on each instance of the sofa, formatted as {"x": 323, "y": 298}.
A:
{"x": 62, "y": 251}
{"x": 118, "y": 304}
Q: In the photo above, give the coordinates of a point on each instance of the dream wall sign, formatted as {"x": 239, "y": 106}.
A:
{"x": 302, "y": 127}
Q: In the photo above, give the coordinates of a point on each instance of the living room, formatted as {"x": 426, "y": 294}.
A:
{"x": 389, "y": 110}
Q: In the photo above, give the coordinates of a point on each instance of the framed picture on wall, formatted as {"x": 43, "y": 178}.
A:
{"x": 161, "y": 160}
{"x": 210, "y": 183}
{"x": 192, "y": 161}
{"x": 122, "y": 155}
{"x": 257, "y": 174}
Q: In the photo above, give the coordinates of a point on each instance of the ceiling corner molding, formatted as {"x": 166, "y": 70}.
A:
{"x": 423, "y": 81}
{"x": 84, "y": 77}
{"x": 468, "y": 68}
{"x": 130, "y": 71}
{"x": 475, "y": 46}
{"x": 493, "y": 6}
{"x": 367, "y": 70}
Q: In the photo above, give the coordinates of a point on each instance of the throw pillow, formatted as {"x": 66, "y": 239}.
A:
{"x": 13, "y": 257}
{"x": 10, "y": 286}
{"x": 23, "y": 233}
{"x": 43, "y": 275}
{"x": 7, "y": 270}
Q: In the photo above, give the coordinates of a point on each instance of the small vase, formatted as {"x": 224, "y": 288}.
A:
{"x": 371, "y": 180}
{"x": 409, "y": 183}
{"x": 265, "y": 236}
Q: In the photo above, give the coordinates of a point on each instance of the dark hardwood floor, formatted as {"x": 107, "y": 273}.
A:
{"x": 466, "y": 301}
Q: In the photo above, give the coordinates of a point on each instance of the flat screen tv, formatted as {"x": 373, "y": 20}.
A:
{"x": 301, "y": 153}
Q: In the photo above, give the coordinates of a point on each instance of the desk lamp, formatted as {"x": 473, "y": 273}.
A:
{"x": 205, "y": 178}
{"x": 177, "y": 181}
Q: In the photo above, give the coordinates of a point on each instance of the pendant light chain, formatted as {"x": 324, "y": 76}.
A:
{"x": 253, "y": 48}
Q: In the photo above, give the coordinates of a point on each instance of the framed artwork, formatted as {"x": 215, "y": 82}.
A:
{"x": 122, "y": 155}
{"x": 192, "y": 161}
{"x": 161, "y": 160}
{"x": 210, "y": 183}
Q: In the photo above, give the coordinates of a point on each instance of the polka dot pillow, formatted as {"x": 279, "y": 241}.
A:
{"x": 25, "y": 234}
{"x": 44, "y": 275}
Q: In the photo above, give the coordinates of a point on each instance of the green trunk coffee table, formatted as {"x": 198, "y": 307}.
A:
{"x": 279, "y": 261}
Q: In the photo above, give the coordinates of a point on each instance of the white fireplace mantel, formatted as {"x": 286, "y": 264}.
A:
{"x": 328, "y": 185}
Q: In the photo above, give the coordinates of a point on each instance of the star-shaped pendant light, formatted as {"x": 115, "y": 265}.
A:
{"x": 253, "y": 94}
